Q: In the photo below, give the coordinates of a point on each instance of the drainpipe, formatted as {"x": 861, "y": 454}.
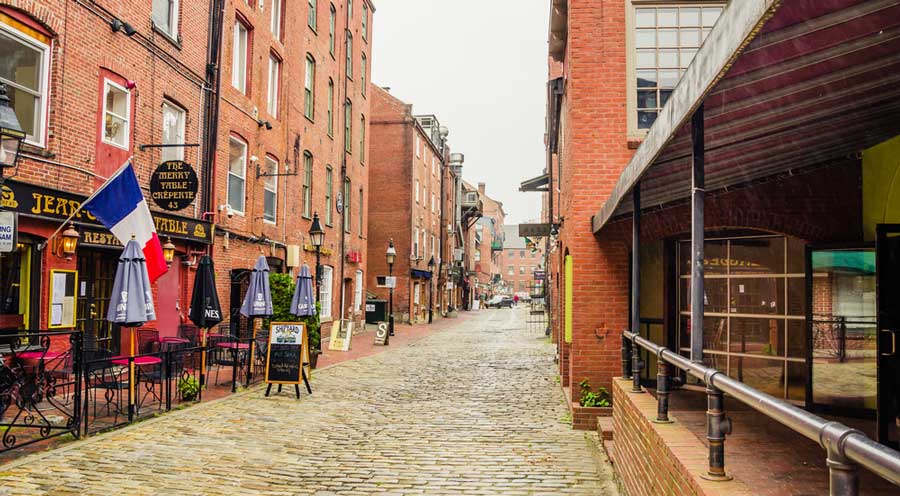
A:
{"x": 211, "y": 104}
{"x": 344, "y": 162}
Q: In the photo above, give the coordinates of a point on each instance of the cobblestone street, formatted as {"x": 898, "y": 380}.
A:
{"x": 475, "y": 409}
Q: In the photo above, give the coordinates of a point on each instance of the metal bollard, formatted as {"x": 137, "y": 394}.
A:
{"x": 843, "y": 474}
{"x": 717, "y": 427}
{"x": 626, "y": 358}
{"x": 662, "y": 391}
{"x": 637, "y": 365}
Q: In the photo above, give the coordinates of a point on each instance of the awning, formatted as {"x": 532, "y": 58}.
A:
{"x": 786, "y": 86}
{"x": 539, "y": 183}
{"x": 422, "y": 274}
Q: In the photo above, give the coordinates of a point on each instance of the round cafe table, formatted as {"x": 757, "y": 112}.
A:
{"x": 39, "y": 355}
{"x": 234, "y": 346}
{"x": 141, "y": 360}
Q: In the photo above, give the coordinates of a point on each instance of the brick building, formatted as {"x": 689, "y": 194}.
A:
{"x": 92, "y": 83}
{"x": 521, "y": 259}
{"x": 655, "y": 137}
{"x": 483, "y": 233}
{"x": 293, "y": 136}
{"x": 410, "y": 163}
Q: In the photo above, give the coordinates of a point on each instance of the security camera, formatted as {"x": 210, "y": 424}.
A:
{"x": 227, "y": 210}
{"x": 254, "y": 159}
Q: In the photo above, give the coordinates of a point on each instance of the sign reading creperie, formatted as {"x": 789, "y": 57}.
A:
{"x": 36, "y": 201}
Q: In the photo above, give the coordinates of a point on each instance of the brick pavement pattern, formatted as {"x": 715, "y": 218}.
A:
{"x": 476, "y": 409}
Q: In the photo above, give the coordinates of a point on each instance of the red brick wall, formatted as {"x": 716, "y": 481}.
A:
{"x": 532, "y": 260}
{"x": 653, "y": 459}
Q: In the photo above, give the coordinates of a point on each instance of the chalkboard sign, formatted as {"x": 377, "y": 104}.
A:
{"x": 284, "y": 357}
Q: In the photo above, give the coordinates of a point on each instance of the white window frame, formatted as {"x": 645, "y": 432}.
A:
{"x": 309, "y": 87}
{"x": 175, "y": 152}
{"x": 273, "y": 182}
{"x": 172, "y": 30}
{"x": 325, "y": 291}
{"x": 418, "y": 146}
{"x": 312, "y": 14}
{"x": 417, "y": 191}
{"x": 363, "y": 67}
{"x": 329, "y": 196}
{"x": 416, "y": 243}
{"x": 107, "y": 84}
{"x": 358, "y": 291}
{"x": 306, "y": 190}
{"x": 365, "y": 22}
{"x": 243, "y": 178}
{"x": 43, "y": 93}
{"x": 349, "y": 62}
{"x": 240, "y": 58}
{"x": 416, "y": 293}
{"x": 275, "y": 19}
{"x": 433, "y": 209}
{"x": 274, "y": 80}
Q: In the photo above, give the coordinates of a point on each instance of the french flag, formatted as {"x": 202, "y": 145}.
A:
{"x": 120, "y": 206}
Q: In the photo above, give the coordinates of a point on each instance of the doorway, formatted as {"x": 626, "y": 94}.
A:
{"x": 888, "y": 326}
{"x": 240, "y": 283}
{"x": 96, "y": 274}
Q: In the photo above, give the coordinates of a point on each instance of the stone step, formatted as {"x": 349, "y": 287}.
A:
{"x": 605, "y": 428}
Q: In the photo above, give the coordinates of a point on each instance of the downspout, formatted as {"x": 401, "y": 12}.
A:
{"x": 344, "y": 162}
{"x": 211, "y": 104}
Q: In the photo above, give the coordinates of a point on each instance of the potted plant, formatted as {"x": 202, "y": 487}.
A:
{"x": 282, "y": 289}
{"x": 188, "y": 388}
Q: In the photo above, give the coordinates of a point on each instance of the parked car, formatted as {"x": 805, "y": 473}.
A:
{"x": 523, "y": 296}
{"x": 499, "y": 301}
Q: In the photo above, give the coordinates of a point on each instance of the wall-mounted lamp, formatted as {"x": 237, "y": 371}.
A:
{"x": 67, "y": 243}
{"x": 261, "y": 123}
{"x": 168, "y": 251}
{"x": 116, "y": 25}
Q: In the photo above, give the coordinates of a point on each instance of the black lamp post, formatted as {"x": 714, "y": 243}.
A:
{"x": 391, "y": 255}
{"x": 317, "y": 238}
{"x": 431, "y": 290}
{"x": 11, "y": 133}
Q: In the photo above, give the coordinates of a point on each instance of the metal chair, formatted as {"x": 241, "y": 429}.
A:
{"x": 101, "y": 374}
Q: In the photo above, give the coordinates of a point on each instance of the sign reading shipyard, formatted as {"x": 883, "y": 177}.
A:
{"x": 173, "y": 185}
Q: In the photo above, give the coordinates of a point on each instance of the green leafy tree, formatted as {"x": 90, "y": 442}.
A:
{"x": 282, "y": 288}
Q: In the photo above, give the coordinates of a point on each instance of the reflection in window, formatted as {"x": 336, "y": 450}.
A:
{"x": 116, "y": 114}
{"x": 23, "y": 70}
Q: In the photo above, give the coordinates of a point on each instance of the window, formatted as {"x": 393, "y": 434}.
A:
{"x": 26, "y": 72}
{"x": 348, "y": 126}
{"x": 325, "y": 291}
{"x": 237, "y": 173}
{"x": 364, "y": 63}
{"x": 350, "y": 7}
{"x": 165, "y": 16}
{"x": 309, "y": 87}
{"x": 349, "y": 55}
{"x": 362, "y": 139}
{"x": 172, "y": 132}
{"x": 510, "y": 270}
{"x": 116, "y": 114}
{"x": 239, "y": 57}
{"x": 418, "y": 146}
{"x": 274, "y": 78}
{"x": 478, "y": 256}
{"x": 666, "y": 38}
{"x": 365, "y": 21}
{"x": 521, "y": 270}
{"x": 311, "y": 14}
{"x": 330, "y": 107}
{"x": 522, "y": 254}
{"x": 416, "y": 293}
{"x": 433, "y": 209}
{"x": 347, "y": 206}
{"x": 270, "y": 190}
{"x": 331, "y": 23}
{"x": 358, "y": 291}
{"x": 307, "y": 183}
{"x": 417, "y": 191}
{"x": 416, "y": 244}
{"x": 360, "y": 212}
{"x": 275, "y": 23}
{"x": 433, "y": 164}
{"x": 329, "y": 195}
{"x": 432, "y": 245}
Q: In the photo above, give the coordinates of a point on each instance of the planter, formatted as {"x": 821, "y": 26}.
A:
{"x": 585, "y": 418}
{"x": 314, "y": 358}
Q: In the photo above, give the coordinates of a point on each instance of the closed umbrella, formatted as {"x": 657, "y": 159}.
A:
{"x": 304, "y": 302}
{"x": 205, "y": 311}
{"x": 131, "y": 301}
{"x": 257, "y": 303}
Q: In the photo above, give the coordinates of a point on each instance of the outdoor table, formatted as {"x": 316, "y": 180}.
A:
{"x": 138, "y": 361}
{"x": 234, "y": 346}
{"x": 39, "y": 355}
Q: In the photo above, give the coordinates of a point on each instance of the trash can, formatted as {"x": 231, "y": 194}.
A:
{"x": 376, "y": 311}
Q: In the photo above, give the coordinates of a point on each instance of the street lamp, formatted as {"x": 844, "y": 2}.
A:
{"x": 11, "y": 133}
{"x": 317, "y": 238}
{"x": 168, "y": 251}
{"x": 391, "y": 255}
{"x": 431, "y": 290}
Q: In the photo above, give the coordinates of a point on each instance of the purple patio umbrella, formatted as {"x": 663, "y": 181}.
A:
{"x": 131, "y": 301}
{"x": 258, "y": 301}
{"x": 304, "y": 302}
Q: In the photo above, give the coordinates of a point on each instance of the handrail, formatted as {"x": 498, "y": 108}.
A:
{"x": 841, "y": 442}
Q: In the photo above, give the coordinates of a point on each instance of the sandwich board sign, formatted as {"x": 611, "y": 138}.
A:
{"x": 287, "y": 356}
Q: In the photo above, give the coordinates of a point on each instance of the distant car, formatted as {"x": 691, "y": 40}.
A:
{"x": 499, "y": 301}
{"x": 523, "y": 296}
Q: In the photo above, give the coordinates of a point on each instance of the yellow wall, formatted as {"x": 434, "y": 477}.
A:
{"x": 881, "y": 186}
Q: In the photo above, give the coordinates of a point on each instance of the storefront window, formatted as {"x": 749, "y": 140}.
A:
{"x": 15, "y": 288}
{"x": 755, "y": 311}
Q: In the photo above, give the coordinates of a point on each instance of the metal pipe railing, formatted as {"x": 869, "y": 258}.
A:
{"x": 845, "y": 447}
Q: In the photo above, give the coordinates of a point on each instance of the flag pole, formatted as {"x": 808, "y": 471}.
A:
{"x": 42, "y": 245}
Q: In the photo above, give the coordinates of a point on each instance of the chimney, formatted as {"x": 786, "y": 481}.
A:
{"x": 481, "y": 189}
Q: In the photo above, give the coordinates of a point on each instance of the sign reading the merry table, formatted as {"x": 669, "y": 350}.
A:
{"x": 173, "y": 185}
{"x": 287, "y": 353}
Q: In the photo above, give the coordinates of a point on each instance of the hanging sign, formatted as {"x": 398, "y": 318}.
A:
{"x": 173, "y": 185}
{"x": 8, "y": 231}
{"x": 339, "y": 203}
{"x": 287, "y": 348}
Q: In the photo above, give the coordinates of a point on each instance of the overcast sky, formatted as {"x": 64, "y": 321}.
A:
{"x": 480, "y": 66}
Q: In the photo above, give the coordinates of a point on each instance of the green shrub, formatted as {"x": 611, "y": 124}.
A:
{"x": 282, "y": 288}
{"x": 188, "y": 388}
{"x": 600, "y": 398}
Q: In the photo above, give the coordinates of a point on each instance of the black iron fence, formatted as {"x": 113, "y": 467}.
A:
{"x": 50, "y": 385}
{"x": 846, "y": 448}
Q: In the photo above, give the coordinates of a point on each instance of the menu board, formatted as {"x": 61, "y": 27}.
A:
{"x": 62, "y": 298}
{"x": 288, "y": 346}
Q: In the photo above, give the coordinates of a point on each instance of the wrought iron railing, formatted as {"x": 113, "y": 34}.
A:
{"x": 846, "y": 448}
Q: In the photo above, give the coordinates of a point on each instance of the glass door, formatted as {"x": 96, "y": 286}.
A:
{"x": 888, "y": 361}
{"x": 96, "y": 274}
{"x": 842, "y": 329}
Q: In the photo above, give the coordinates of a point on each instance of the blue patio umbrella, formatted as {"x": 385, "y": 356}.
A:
{"x": 258, "y": 301}
{"x": 304, "y": 302}
{"x": 131, "y": 301}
